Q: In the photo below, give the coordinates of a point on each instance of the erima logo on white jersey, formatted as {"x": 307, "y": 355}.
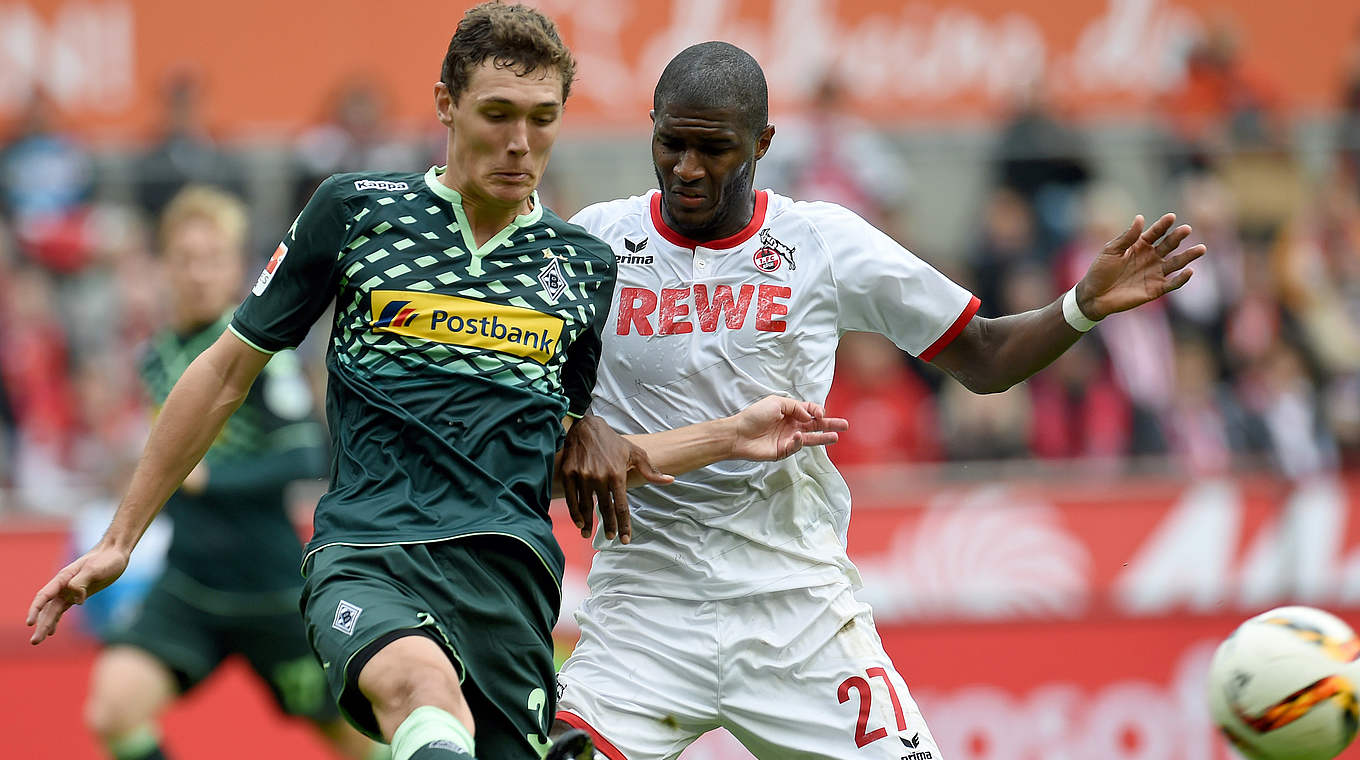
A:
{"x": 378, "y": 184}
{"x": 634, "y": 255}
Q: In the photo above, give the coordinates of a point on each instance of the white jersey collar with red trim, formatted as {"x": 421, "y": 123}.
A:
{"x": 731, "y": 241}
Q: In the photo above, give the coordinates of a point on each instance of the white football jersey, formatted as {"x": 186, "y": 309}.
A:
{"x": 700, "y": 331}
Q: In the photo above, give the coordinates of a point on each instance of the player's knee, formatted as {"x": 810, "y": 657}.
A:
{"x": 127, "y": 691}
{"x": 415, "y": 686}
{"x": 408, "y": 673}
{"x": 111, "y": 719}
{"x": 559, "y": 727}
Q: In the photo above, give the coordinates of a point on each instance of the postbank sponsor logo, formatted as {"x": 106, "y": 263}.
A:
{"x": 467, "y": 322}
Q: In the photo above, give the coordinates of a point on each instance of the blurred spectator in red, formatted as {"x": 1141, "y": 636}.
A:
{"x": 1279, "y": 390}
{"x": 34, "y": 364}
{"x": 1139, "y": 342}
{"x": 354, "y": 136}
{"x": 1040, "y": 157}
{"x": 1218, "y": 284}
{"x": 891, "y": 411}
{"x": 1220, "y": 101}
{"x": 982, "y": 428}
{"x": 184, "y": 152}
{"x": 35, "y": 357}
{"x": 1206, "y": 426}
{"x": 997, "y": 426}
{"x": 1079, "y": 410}
{"x": 830, "y": 155}
{"x": 1316, "y": 267}
{"x": 45, "y": 185}
{"x": 1008, "y": 243}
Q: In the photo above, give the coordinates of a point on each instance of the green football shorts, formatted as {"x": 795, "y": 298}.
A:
{"x": 489, "y": 601}
{"x": 192, "y": 629}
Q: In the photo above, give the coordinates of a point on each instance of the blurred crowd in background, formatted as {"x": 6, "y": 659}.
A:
{"x": 1253, "y": 366}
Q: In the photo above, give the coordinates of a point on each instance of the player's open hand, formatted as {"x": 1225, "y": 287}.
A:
{"x": 775, "y": 427}
{"x": 594, "y": 472}
{"x": 92, "y": 572}
{"x": 1136, "y": 267}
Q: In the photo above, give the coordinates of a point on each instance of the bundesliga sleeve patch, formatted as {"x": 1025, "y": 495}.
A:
{"x": 267, "y": 276}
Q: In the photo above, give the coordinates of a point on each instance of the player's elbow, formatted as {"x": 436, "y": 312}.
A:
{"x": 983, "y": 383}
{"x": 991, "y": 387}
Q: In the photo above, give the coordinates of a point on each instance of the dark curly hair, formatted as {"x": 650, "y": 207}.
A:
{"x": 516, "y": 37}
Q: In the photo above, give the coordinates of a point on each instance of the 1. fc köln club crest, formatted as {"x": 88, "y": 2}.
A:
{"x": 772, "y": 252}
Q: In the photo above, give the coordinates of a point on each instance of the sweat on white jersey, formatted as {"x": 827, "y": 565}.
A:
{"x": 699, "y": 331}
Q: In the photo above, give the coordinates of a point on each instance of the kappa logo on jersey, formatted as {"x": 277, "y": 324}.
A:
{"x": 467, "y": 322}
{"x": 721, "y": 308}
{"x": 267, "y": 276}
{"x": 771, "y": 252}
{"x": 634, "y": 255}
{"x": 554, "y": 284}
{"x": 378, "y": 184}
{"x": 346, "y": 615}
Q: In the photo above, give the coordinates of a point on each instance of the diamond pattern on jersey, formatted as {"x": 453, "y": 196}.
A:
{"x": 408, "y": 245}
{"x": 246, "y": 432}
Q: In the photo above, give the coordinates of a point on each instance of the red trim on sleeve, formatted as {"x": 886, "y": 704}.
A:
{"x": 731, "y": 241}
{"x": 953, "y": 331}
{"x": 602, "y": 745}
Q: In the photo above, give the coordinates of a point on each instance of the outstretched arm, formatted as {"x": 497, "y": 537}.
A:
{"x": 1139, "y": 266}
{"x": 596, "y": 461}
{"x": 210, "y": 390}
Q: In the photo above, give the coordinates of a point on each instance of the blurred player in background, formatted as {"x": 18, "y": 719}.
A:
{"x": 231, "y": 582}
{"x": 733, "y": 606}
{"x": 466, "y": 330}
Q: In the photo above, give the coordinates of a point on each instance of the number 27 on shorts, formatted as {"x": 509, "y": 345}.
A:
{"x": 863, "y": 734}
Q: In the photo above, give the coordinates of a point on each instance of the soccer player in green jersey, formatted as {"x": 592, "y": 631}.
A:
{"x": 230, "y": 585}
{"x": 466, "y": 333}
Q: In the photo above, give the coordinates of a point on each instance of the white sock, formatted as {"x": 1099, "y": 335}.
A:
{"x": 428, "y": 724}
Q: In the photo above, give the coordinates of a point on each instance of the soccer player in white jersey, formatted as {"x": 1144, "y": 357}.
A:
{"x": 733, "y": 605}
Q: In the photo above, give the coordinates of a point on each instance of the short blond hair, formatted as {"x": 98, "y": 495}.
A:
{"x": 219, "y": 207}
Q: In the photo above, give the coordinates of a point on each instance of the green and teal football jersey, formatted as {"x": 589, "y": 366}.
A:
{"x": 236, "y": 534}
{"x": 451, "y": 364}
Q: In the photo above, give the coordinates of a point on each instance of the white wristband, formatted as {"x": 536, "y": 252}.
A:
{"x": 1072, "y": 312}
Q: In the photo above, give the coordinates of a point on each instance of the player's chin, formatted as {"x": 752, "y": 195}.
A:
{"x": 690, "y": 219}
{"x": 511, "y": 188}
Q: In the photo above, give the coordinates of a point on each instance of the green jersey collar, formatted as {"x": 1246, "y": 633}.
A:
{"x": 469, "y": 241}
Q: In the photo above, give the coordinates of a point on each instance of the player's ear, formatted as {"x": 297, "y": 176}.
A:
{"x": 763, "y": 141}
{"x": 443, "y": 104}
{"x": 651, "y": 114}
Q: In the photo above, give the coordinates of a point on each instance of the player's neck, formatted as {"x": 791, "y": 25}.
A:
{"x": 723, "y": 225}
{"x": 485, "y": 216}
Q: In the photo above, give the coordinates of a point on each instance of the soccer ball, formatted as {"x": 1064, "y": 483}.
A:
{"x": 1283, "y": 685}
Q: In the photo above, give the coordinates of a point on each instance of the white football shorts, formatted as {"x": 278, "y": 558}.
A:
{"x": 793, "y": 675}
